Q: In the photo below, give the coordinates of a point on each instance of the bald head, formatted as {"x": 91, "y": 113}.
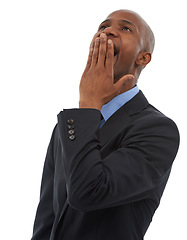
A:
{"x": 133, "y": 42}
{"x": 143, "y": 28}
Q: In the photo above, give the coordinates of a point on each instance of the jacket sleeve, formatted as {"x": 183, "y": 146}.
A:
{"x": 127, "y": 174}
{"x": 45, "y": 214}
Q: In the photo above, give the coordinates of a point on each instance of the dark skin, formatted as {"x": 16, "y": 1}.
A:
{"x": 118, "y": 53}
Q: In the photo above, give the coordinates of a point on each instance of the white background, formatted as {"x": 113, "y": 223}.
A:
{"x": 43, "y": 52}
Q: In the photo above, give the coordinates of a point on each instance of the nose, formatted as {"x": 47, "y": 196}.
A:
{"x": 109, "y": 31}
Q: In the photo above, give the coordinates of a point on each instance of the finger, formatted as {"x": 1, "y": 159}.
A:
{"x": 89, "y": 61}
{"x": 93, "y": 40}
{"x": 102, "y": 49}
{"x": 122, "y": 81}
{"x": 95, "y": 53}
{"x": 110, "y": 55}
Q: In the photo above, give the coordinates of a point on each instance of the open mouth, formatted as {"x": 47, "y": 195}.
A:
{"x": 116, "y": 51}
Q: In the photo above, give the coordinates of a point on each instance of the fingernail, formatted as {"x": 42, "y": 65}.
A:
{"x": 103, "y": 35}
{"x": 97, "y": 42}
{"x": 109, "y": 41}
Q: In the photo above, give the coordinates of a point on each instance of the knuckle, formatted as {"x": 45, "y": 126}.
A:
{"x": 94, "y": 55}
{"x": 102, "y": 41}
{"x": 98, "y": 70}
{"x": 109, "y": 55}
{"x": 102, "y": 52}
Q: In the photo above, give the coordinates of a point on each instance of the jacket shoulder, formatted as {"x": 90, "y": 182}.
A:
{"x": 156, "y": 125}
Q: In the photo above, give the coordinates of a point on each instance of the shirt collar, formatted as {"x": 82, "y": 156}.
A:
{"x": 111, "y": 107}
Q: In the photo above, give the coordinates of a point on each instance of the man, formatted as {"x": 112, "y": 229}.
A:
{"x": 108, "y": 162}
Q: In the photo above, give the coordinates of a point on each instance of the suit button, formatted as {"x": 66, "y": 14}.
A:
{"x": 72, "y": 137}
{"x": 71, "y": 131}
{"x": 71, "y": 126}
{"x": 70, "y": 121}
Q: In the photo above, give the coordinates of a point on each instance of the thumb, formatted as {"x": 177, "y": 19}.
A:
{"x": 123, "y": 81}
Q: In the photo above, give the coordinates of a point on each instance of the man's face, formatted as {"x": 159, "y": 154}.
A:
{"x": 125, "y": 29}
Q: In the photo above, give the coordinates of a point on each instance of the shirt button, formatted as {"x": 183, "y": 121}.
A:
{"x": 72, "y": 137}
{"x": 70, "y": 121}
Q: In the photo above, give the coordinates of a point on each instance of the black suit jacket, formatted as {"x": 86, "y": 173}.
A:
{"x": 113, "y": 176}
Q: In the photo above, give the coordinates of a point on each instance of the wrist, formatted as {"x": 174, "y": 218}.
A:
{"x": 88, "y": 104}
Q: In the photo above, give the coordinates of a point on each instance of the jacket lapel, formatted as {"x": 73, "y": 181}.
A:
{"x": 121, "y": 118}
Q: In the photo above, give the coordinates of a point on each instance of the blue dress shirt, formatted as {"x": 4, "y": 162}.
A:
{"x": 111, "y": 107}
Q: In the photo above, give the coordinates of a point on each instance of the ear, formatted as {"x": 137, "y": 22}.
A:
{"x": 143, "y": 58}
